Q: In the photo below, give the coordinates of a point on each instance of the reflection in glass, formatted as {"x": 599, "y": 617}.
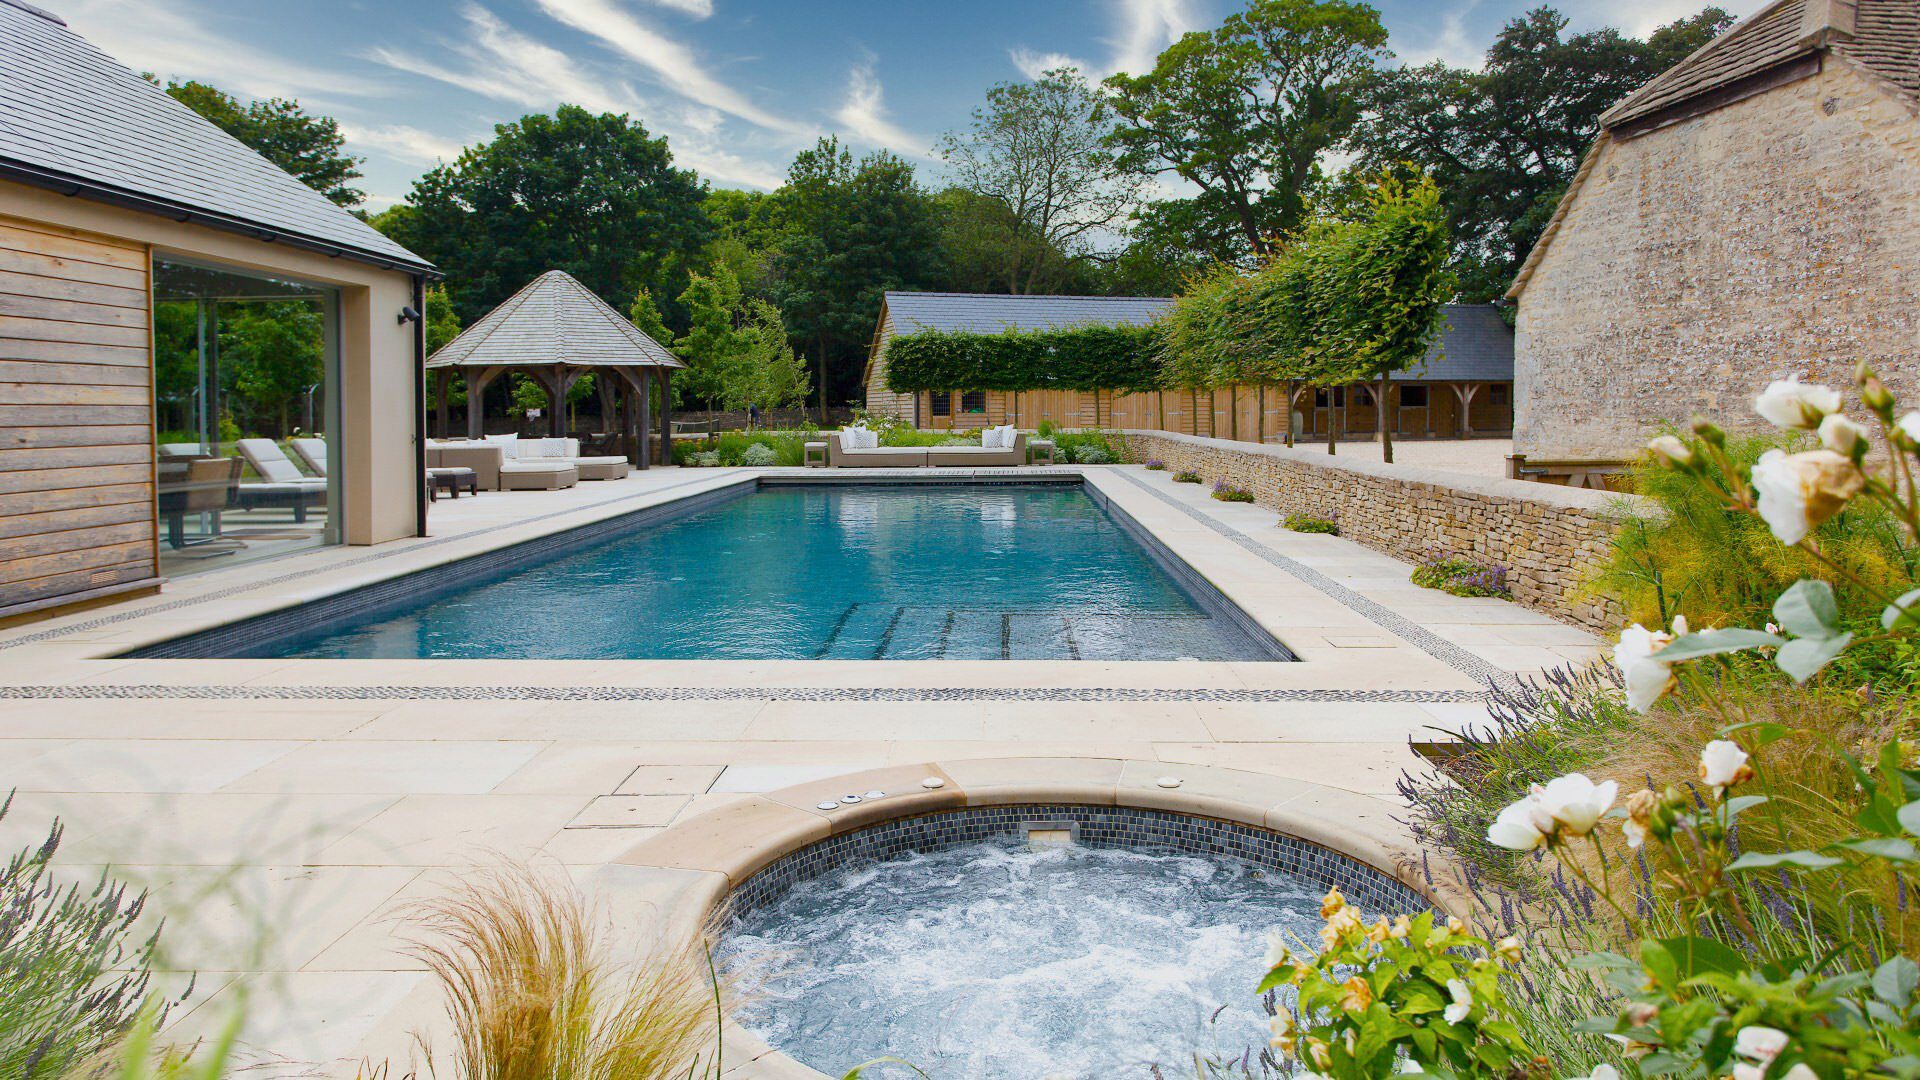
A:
{"x": 244, "y": 366}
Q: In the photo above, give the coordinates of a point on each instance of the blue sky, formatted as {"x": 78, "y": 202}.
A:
{"x": 737, "y": 85}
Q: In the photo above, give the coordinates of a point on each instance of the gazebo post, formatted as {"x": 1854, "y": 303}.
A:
{"x": 603, "y": 387}
{"x": 442, "y": 382}
{"x": 666, "y": 415}
{"x": 477, "y": 381}
{"x": 642, "y": 397}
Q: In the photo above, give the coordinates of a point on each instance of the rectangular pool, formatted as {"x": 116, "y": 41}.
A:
{"x": 990, "y": 571}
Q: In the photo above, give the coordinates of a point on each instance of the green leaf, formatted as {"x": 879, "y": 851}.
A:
{"x": 1803, "y": 657}
{"x": 1892, "y": 848}
{"x": 1903, "y": 613}
{"x": 1808, "y": 609}
{"x": 1743, "y": 802}
{"x": 1895, "y": 981}
{"x": 1759, "y": 732}
{"x": 1715, "y": 642}
{"x": 1659, "y": 963}
{"x": 1804, "y": 859}
{"x": 1909, "y": 817}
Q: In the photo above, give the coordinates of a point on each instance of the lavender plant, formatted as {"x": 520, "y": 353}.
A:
{"x": 73, "y": 975}
{"x": 1461, "y": 576}
{"x": 1227, "y": 492}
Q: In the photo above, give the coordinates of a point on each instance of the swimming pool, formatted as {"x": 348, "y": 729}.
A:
{"x": 815, "y": 571}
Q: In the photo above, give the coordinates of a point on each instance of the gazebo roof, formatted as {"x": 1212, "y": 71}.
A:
{"x": 553, "y": 321}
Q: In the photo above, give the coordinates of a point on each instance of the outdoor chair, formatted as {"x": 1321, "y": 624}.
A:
{"x": 197, "y": 485}
{"x": 282, "y": 484}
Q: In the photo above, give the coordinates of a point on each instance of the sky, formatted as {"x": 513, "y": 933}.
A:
{"x": 737, "y": 86}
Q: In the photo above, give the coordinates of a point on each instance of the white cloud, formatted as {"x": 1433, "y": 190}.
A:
{"x": 865, "y": 115}
{"x": 1452, "y": 44}
{"x": 1145, "y": 28}
{"x": 506, "y": 65}
{"x": 175, "y": 39}
{"x": 676, "y": 65}
{"x": 408, "y": 144}
{"x": 699, "y": 9}
{"x": 1035, "y": 64}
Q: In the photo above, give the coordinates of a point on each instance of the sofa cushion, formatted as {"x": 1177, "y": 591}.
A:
{"x": 521, "y": 466}
{"x": 859, "y": 438}
{"x": 509, "y": 445}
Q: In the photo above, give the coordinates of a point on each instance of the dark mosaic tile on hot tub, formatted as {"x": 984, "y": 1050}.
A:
{"x": 1098, "y": 826}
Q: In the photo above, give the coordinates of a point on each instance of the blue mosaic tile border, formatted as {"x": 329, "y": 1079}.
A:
{"x": 1373, "y": 891}
{"x": 1064, "y": 694}
{"x": 1386, "y": 618}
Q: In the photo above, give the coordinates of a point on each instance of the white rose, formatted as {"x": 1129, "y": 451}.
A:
{"x": 1277, "y": 951}
{"x": 1744, "y": 1071}
{"x": 1761, "y": 1044}
{"x": 1648, "y": 680}
{"x": 1841, "y": 435}
{"x": 1672, "y": 450}
{"x": 1462, "y": 995}
{"x": 1799, "y": 491}
{"x": 1603, "y": 1071}
{"x": 1722, "y": 765}
{"x": 1801, "y": 1071}
{"x": 1576, "y": 802}
{"x": 1910, "y": 425}
{"x": 1790, "y": 403}
{"x": 1521, "y": 826}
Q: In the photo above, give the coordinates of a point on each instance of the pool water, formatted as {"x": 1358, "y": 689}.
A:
{"x": 992, "y": 960}
{"x": 854, "y": 572}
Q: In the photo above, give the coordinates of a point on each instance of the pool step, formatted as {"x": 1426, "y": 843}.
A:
{"x": 907, "y": 632}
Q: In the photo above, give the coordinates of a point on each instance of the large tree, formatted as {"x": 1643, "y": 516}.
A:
{"x": 596, "y": 196}
{"x": 853, "y": 232}
{"x": 309, "y": 147}
{"x": 1048, "y": 183}
{"x": 1247, "y": 111}
{"x": 1504, "y": 141}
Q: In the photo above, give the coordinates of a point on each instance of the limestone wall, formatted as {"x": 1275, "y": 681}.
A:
{"x": 1550, "y": 539}
{"x": 1777, "y": 235}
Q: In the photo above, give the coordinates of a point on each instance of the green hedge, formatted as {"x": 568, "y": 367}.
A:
{"x": 1125, "y": 359}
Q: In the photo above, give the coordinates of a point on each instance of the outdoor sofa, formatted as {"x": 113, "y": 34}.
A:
{"x": 907, "y": 457}
{"x": 981, "y": 457}
{"x": 881, "y": 457}
{"x": 494, "y": 471}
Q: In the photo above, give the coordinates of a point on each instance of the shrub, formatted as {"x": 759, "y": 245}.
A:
{"x": 1121, "y": 358}
{"x": 1461, "y": 576}
{"x": 73, "y": 978}
{"x": 704, "y": 459}
{"x": 1307, "y": 523}
{"x": 1226, "y": 492}
{"x": 1092, "y": 455}
{"x": 533, "y": 990}
{"x": 1184, "y": 477}
{"x": 1154, "y": 464}
{"x": 759, "y": 455}
{"x": 1076, "y": 445}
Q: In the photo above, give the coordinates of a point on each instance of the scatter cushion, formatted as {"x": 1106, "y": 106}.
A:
{"x": 1002, "y": 437}
{"x": 859, "y": 438}
{"x": 509, "y": 446}
{"x": 542, "y": 449}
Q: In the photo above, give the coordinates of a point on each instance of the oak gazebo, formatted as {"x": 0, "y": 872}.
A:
{"x": 556, "y": 330}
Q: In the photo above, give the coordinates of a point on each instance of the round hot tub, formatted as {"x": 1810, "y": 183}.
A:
{"x": 1032, "y": 940}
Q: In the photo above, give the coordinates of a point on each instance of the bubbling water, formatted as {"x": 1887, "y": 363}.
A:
{"x": 993, "y": 960}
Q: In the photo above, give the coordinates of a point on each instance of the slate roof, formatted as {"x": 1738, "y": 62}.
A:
{"x": 991, "y": 313}
{"x": 1881, "y": 35}
{"x": 1476, "y": 345}
{"x": 75, "y": 120}
{"x": 553, "y": 320}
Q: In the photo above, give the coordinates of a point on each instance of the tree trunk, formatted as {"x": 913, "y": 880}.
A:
{"x": 1380, "y": 411}
{"x": 1333, "y": 422}
{"x": 1286, "y": 416}
{"x": 822, "y": 341}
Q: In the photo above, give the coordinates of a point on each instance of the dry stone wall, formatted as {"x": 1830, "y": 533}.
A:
{"x": 1551, "y": 540}
{"x": 1776, "y": 235}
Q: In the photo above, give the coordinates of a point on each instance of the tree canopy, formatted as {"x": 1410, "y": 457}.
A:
{"x": 594, "y": 195}
{"x": 1503, "y": 141}
{"x": 309, "y": 147}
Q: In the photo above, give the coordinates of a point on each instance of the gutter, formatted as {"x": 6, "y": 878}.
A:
{"x": 420, "y": 405}
{"x": 77, "y": 187}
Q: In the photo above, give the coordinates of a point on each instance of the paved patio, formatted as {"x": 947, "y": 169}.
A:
{"x": 306, "y": 798}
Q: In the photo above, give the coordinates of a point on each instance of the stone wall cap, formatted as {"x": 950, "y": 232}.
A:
{"x": 1583, "y": 499}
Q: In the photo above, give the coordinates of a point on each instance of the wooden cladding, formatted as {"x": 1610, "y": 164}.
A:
{"x": 76, "y": 416}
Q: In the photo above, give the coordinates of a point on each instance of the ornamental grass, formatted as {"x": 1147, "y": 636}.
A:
{"x": 537, "y": 990}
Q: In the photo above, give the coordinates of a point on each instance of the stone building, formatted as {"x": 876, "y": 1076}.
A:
{"x": 1752, "y": 213}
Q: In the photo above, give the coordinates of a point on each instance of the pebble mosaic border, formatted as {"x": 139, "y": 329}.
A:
{"x": 207, "y": 692}
{"x": 1373, "y": 891}
{"x": 1399, "y": 625}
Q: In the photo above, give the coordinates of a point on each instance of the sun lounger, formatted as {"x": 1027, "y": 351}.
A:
{"x": 312, "y": 454}
{"x": 283, "y": 484}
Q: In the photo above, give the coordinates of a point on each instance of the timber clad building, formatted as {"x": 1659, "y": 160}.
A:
{"x": 117, "y": 205}
{"x": 1752, "y": 213}
{"x": 1464, "y": 388}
